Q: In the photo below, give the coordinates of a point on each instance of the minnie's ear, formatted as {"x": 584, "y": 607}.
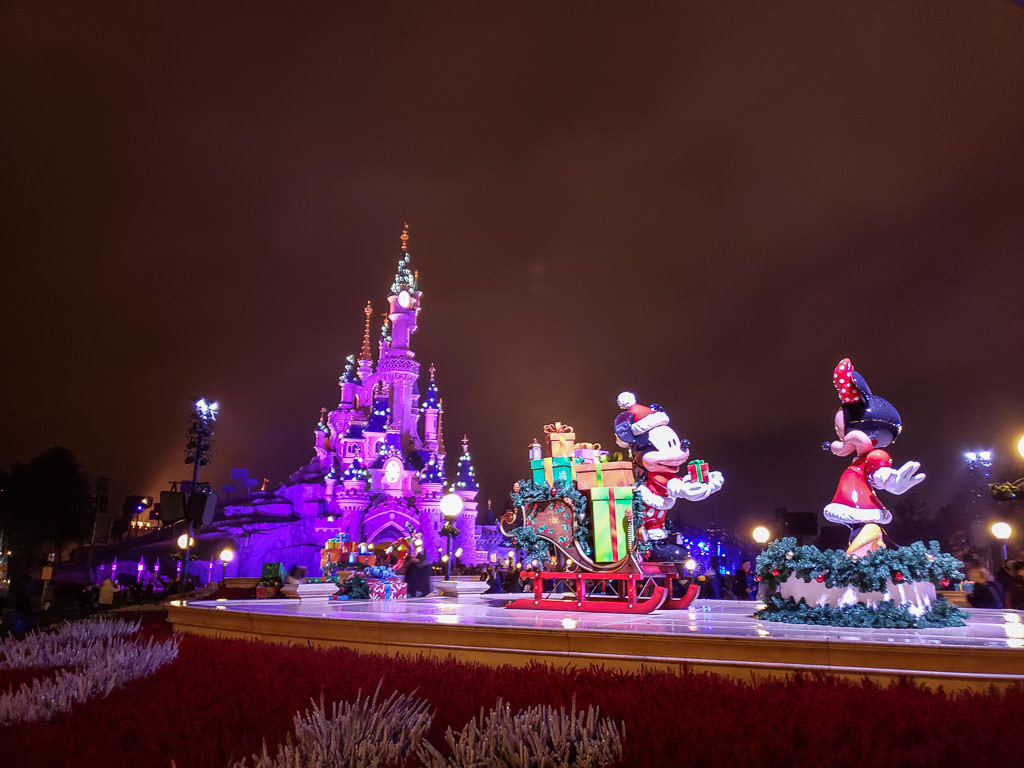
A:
{"x": 861, "y": 385}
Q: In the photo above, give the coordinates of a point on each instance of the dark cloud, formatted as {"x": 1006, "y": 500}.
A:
{"x": 707, "y": 204}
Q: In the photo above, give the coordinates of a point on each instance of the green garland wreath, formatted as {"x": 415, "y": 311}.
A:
{"x": 528, "y": 492}
{"x": 783, "y": 558}
{"x": 886, "y": 616}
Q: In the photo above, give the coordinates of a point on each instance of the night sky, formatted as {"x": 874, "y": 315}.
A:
{"x": 709, "y": 204}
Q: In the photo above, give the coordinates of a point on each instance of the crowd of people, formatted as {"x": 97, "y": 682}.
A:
{"x": 1004, "y": 590}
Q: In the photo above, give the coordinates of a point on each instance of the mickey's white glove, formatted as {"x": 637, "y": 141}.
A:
{"x": 715, "y": 481}
{"x": 897, "y": 481}
{"x": 689, "y": 490}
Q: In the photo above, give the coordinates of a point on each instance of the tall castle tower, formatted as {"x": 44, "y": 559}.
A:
{"x": 376, "y": 470}
{"x": 397, "y": 365}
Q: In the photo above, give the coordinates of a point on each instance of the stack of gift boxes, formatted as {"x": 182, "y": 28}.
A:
{"x": 384, "y": 584}
{"x": 607, "y": 484}
{"x": 339, "y": 553}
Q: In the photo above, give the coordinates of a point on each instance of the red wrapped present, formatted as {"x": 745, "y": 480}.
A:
{"x": 387, "y": 589}
{"x": 699, "y": 471}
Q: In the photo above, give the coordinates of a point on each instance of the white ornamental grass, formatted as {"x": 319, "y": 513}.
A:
{"x": 62, "y": 647}
{"x": 537, "y": 737}
{"x": 365, "y": 733}
{"x": 388, "y": 733}
{"x": 103, "y": 659}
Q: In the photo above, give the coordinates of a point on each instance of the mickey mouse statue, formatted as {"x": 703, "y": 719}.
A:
{"x": 659, "y": 455}
{"x": 865, "y": 424}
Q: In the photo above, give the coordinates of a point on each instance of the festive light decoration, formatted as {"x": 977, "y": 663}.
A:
{"x": 432, "y": 399}
{"x": 356, "y": 472}
{"x": 432, "y": 472}
{"x": 466, "y": 480}
{"x": 350, "y": 374}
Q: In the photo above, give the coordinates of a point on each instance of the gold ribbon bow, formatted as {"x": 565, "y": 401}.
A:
{"x": 557, "y": 427}
{"x": 588, "y": 446}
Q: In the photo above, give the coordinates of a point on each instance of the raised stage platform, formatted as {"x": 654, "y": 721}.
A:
{"x": 717, "y": 636}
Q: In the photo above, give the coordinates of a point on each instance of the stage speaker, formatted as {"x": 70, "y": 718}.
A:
{"x": 172, "y": 506}
{"x": 201, "y": 507}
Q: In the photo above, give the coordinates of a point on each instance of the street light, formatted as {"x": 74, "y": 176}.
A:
{"x": 1002, "y": 532}
{"x": 451, "y": 505}
{"x": 226, "y": 556}
{"x": 761, "y": 534}
{"x": 185, "y": 541}
{"x": 1020, "y": 446}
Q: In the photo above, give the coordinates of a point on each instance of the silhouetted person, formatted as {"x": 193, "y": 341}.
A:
{"x": 986, "y": 593}
{"x": 743, "y": 582}
{"x": 417, "y": 577}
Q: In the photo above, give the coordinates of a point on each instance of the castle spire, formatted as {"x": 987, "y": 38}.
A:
{"x": 440, "y": 428}
{"x": 431, "y": 400}
{"x": 405, "y": 278}
{"x": 365, "y": 353}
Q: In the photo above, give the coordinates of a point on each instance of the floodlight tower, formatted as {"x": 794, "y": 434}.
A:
{"x": 200, "y": 435}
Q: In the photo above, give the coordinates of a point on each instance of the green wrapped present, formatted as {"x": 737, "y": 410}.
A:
{"x": 552, "y": 470}
{"x": 611, "y": 510}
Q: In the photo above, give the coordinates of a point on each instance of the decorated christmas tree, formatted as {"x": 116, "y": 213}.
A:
{"x": 466, "y": 480}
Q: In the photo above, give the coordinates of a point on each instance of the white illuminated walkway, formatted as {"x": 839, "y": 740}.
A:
{"x": 708, "y": 618}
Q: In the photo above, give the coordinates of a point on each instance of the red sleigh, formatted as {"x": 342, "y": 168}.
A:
{"x": 624, "y": 586}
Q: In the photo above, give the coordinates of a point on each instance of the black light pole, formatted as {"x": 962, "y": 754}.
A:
{"x": 200, "y": 434}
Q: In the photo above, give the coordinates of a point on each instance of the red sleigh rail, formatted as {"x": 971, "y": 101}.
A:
{"x": 635, "y": 593}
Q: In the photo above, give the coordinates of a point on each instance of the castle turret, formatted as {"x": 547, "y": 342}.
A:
{"x": 431, "y": 410}
{"x": 350, "y": 383}
{"x": 465, "y": 487}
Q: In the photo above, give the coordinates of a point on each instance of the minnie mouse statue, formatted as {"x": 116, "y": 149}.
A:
{"x": 865, "y": 424}
{"x": 658, "y": 456}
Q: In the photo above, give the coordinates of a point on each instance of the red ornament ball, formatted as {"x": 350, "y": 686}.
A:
{"x": 944, "y": 582}
{"x": 775, "y": 571}
{"x": 898, "y": 576}
{"x": 819, "y": 578}
{"x": 757, "y": 578}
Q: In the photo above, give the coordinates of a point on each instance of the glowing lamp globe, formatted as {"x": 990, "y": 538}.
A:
{"x": 184, "y": 541}
{"x": 404, "y": 299}
{"x": 761, "y": 534}
{"x": 451, "y": 505}
{"x": 227, "y": 555}
{"x": 690, "y": 565}
{"x": 1001, "y": 531}
{"x": 1020, "y": 446}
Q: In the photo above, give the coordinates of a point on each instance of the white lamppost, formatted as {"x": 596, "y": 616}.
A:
{"x": 226, "y": 556}
{"x": 1002, "y": 531}
{"x": 451, "y": 505}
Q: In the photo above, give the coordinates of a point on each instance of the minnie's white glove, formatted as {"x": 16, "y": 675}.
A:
{"x": 897, "y": 481}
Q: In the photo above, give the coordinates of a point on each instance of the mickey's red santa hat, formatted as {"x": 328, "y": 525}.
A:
{"x": 631, "y": 427}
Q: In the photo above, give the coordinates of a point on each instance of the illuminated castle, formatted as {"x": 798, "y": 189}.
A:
{"x": 379, "y": 458}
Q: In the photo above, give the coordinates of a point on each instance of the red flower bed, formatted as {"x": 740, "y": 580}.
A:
{"x": 221, "y": 698}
